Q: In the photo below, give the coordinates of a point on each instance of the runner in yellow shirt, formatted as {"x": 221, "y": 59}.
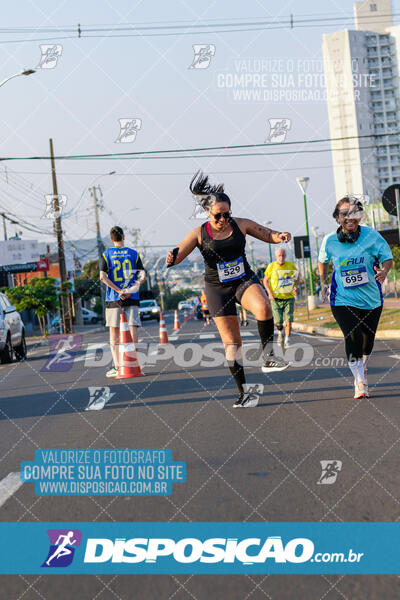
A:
{"x": 280, "y": 282}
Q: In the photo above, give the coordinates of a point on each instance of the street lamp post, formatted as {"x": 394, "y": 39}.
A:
{"x": 315, "y": 232}
{"x": 266, "y": 223}
{"x": 24, "y": 72}
{"x": 303, "y": 183}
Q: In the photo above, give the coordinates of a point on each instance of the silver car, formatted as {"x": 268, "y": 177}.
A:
{"x": 12, "y": 332}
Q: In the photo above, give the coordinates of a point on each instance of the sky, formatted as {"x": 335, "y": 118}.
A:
{"x": 99, "y": 80}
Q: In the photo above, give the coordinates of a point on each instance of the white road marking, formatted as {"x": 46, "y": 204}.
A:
{"x": 172, "y": 338}
{"x": 207, "y": 336}
{"x": 315, "y": 337}
{"x": 8, "y": 486}
{"x": 85, "y": 357}
{"x": 396, "y": 356}
{"x": 247, "y": 334}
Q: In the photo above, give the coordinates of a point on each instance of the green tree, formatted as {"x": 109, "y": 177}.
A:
{"x": 91, "y": 270}
{"x": 87, "y": 285}
{"x": 396, "y": 256}
{"x": 40, "y": 295}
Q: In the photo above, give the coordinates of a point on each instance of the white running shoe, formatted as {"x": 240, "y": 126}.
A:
{"x": 280, "y": 338}
{"x": 246, "y": 401}
{"x": 112, "y": 372}
{"x": 274, "y": 363}
{"x": 287, "y": 343}
{"x": 359, "y": 390}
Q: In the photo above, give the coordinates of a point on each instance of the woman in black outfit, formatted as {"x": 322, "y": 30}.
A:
{"x": 229, "y": 278}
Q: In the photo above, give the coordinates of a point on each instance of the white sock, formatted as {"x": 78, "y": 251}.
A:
{"x": 360, "y": 367}
{"x": 357, "y": 368}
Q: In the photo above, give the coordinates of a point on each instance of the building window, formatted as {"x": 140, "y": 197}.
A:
{"x": 373, "y": 7}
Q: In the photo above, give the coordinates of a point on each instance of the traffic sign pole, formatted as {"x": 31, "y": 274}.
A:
{"x": 396, "y": 195}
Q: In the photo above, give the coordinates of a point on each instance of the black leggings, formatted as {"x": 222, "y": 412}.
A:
{"x": 359, "y": 327}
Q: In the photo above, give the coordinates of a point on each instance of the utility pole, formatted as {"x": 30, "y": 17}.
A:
{"x": 65, "y": 312}
{"x": 99, "y": 246}
{"x": 4, "y": 226}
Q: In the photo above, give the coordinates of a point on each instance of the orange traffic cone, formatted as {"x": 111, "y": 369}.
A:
{"x": 128, "y": 361}
{"x": 185, "y": 317}
{"x": 177, "y": 325}
{"x": 163, "y": 335}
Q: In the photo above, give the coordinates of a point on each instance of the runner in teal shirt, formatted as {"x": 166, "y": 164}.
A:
{"x": 353, "y": 280}
{"x": 357, "y": 253}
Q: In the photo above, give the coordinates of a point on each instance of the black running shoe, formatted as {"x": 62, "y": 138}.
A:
{"x": 274, "y": 363}
{"x": 246, "y": 401}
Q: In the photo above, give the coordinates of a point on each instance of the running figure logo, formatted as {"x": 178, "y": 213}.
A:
{"x": 50, "y": 211}
{"x": 278, "y": 130}
{"x": 99, "y": 396}
{"x": 62, "y": 349}
{"x": 255, "y": 389}
{"x": 203, "y": 54}
{"x": 62, "y": 547}
{"x": 330, "y": 470}
{"x": 50, "y": 55}
{"x": 128, "y": 130}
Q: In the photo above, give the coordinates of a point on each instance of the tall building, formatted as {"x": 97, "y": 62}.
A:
{"x": 363, "y": 95}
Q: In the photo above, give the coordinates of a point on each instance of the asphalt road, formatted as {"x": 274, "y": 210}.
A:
{"x": 259, "y": 464}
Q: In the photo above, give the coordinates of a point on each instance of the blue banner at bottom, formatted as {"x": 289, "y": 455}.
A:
{"x": 209, "y": 548}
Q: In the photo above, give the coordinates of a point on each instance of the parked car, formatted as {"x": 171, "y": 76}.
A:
{"x": 12, "y": 332}
{"x": 89, "y": 316}
{"x": 149, "y": 309}
{"x": 185, "y": 304}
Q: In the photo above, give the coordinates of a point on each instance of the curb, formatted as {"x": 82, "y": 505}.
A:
{"x": 384, "y": 334}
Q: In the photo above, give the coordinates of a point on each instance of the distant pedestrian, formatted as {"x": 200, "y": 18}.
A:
{"x": 280, "y": 282}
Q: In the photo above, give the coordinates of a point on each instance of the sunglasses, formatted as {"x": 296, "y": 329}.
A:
{"x": 356, "y": 214}
{"x": 218, "y": 216}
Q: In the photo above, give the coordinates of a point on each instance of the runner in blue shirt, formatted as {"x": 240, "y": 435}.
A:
{"x": 122, "y": 271}
{"x": 356, "y": 297}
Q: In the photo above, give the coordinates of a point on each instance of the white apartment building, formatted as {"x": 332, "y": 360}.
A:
{"x": 363, "y": 96}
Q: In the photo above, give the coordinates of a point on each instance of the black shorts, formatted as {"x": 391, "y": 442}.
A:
{"x": 221, "y": 299}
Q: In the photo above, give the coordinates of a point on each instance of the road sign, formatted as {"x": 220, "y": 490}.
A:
{"x": 28, "y": 267}
{"x": 389, "y": 199}
{"x": 20, "y": 268}
{"x": 391, "y": 236}
{"x": 298, "y": 239}
{"x": 391, "y": 202}
{"x": 42, "y": 264}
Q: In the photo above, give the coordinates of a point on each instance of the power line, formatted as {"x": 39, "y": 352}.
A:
{"x": 190, "y": 173}
{"x": 290, "y": 21}
{"x": 151, "y": 154}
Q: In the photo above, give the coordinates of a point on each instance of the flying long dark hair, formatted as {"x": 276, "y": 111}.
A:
{"x": 207, "y": 194}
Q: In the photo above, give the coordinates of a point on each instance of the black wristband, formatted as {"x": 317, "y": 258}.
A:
{"x": 174, "y": 255}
